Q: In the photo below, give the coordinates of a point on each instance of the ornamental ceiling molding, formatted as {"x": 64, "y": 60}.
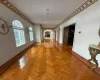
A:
{"x": 15, "y": 10}
{"x": 77, "y": 11}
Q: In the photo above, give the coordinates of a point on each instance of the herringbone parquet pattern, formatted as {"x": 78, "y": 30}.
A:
{"x": 49, "y": 61}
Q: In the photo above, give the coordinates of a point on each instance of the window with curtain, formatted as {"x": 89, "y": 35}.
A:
{"x": 31, "y": 33}
{"x": 18, "y": 32}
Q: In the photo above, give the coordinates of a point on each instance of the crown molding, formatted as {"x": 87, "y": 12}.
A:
{"x": 7, "y": 4}
{"x": 77, "y": 11}
{"x": 41, "y": 26}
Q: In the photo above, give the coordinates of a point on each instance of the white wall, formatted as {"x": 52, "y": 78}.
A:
{"x": 57, "y": 33}
{"x": 88, "y": 22}
{"x": 8, "y": 47}
{"x": 41, "y": 35}
{"x": 38, "y": 33}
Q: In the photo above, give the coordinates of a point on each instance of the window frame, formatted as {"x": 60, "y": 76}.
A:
{"x": 19, "y": 33}
{"x": 31, "y": 34}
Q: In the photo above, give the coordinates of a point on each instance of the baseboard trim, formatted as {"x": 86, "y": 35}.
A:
{"x": 83, "y": 60}
{"x": 10, "y": 62}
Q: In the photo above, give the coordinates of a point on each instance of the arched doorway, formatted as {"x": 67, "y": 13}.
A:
{"x": 49, "y": 34}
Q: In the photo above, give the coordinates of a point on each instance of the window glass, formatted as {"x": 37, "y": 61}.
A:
{"x": 18, "y": 32}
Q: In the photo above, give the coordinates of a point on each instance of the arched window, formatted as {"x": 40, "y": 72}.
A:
{"x": 18, "y": 32}
{"x": 31, "y": 33}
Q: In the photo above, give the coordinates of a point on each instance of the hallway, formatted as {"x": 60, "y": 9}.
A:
{"x": 49, "y": 61}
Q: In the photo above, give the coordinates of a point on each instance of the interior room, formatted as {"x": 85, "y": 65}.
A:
{"x": 49, "y": 39}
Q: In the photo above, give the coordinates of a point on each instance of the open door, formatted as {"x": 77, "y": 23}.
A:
{"x": 65, "y": 37}
{"x": 69, "y": 35}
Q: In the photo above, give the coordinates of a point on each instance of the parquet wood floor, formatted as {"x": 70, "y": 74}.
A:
{"x": 49, "y": 61}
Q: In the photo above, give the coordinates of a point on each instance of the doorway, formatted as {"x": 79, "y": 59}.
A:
{"x": 68, "y": 37}
{"x": 49, "y": 34}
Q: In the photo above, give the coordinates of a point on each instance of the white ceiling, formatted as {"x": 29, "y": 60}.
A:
{"x": 37, "y": 10}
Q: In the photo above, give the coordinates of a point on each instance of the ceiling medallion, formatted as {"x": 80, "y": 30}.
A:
{"x": 80, "y": 9}
{"x": 14, "y": 9}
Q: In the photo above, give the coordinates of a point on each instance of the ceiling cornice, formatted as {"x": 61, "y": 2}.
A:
{"x": 77, "y": 11}
{"x": 15, "y": 10}
{"x": 41, "y": 26}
